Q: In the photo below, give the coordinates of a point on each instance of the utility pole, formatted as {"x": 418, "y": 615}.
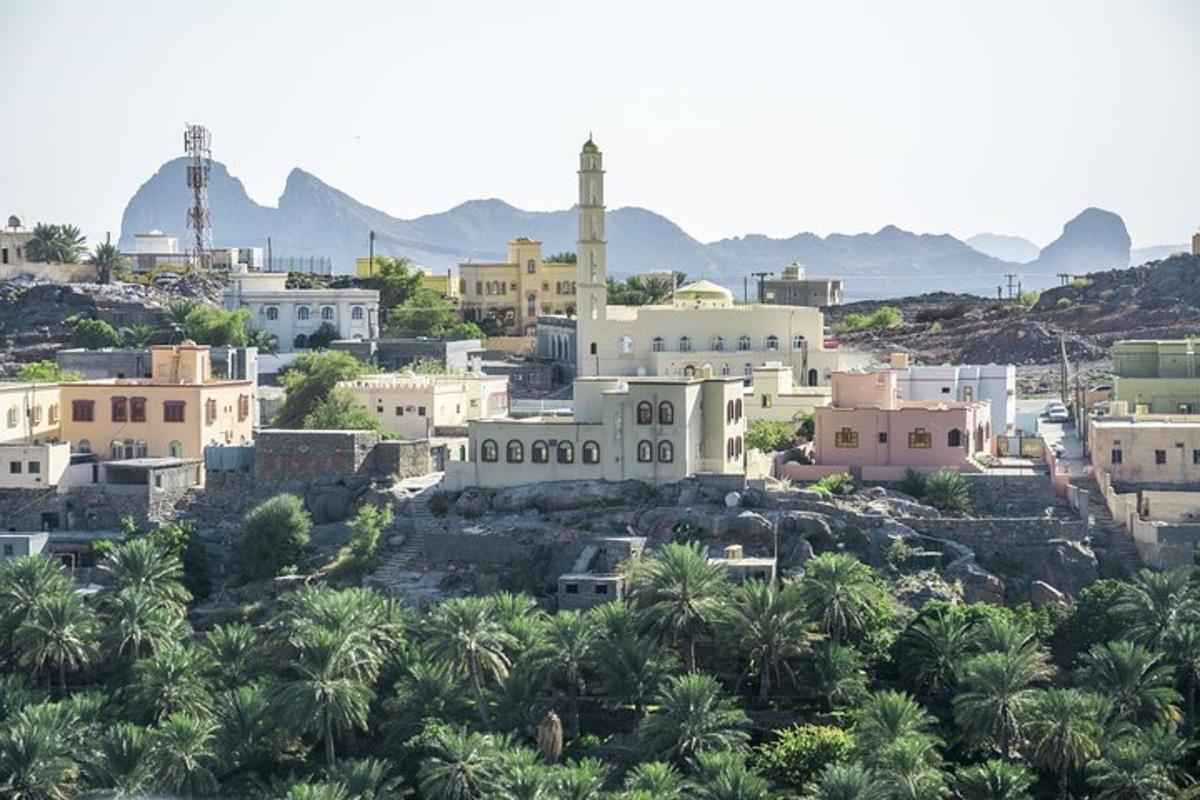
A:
{"x": 1011, "y": 277}
{"x": 745, "y": 289}
{"x": 1063, "y": 278}
{"x": 1064, "y": 370}
{"x": 761, "y": 276}
{"x": 371, "y": 255}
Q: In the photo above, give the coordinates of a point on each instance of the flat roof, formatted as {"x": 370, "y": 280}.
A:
{"x": 152, "y": 463}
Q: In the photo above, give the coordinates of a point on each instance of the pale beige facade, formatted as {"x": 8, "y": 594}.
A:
{"x": 29, "y": 412}
{"x": 13, "y": 240}
{"x": 513, "y": 294}
{"x": 418, "y": 406}
{"x": 175, "y": 413}
{"x": 1147, "y": 449}
{"x": 657, "y": 430}
{"x": 773, "y": 395}
{"x": 33, "y": 466}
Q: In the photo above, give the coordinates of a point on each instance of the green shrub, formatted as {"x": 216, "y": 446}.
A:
{"x": 1065, "y": 302}
{"x": 838, "y": 483}
{"x": 274, "y": 535}
{"x": 808, "y": 427}
{"x": 913, "y": 483}
{"x": 1028, "y": 299}
{"x": 46, "y": 371}
{"x": 769, "y": 436}
{"x": 93, "y": 334}
{"x": 323, "y": 336}
{"x": 1081, "y": 283}
{"x": 798, "y": 753}
{"x": 947, "y": 490}
{"x": 879, "y": 319}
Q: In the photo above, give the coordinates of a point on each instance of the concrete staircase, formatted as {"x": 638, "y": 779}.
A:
{"x": 398, "y": 573}
{"x": 1118, "y": 542}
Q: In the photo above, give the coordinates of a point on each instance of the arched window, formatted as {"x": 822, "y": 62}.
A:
{"x": 798, "y": 342}
{"x": 515, "y": 452}
{"x": 813, "y": 377}
{"x": 36, "y": 415}
{"x": 772, "y": 342}
{"x": 725, "y": 369}
{"x": 729, "y": 411}
{"x": 666, "y": 413}
{"x": 737, "y": 406}
{"x": 176, "y": 449}
{"x": 645, "y": 451}
{"x": 689, "y": 371}
{"x": 645, "y": 413}
{"x": 84, "y": 446}
{"x": 300, "y": 342}
{"x": 566, "y": 453}
{"x": 685, "y": 344}
{"x": 729, "y": 448}
{"x": 327, "y": 313}
{"x": 302, "y": 313}
{"x": 530, "y": 267}
{"x": 979, "y": 437}
{"x": 12, "y": 417}
{"x": 356, "y": 313}
{"x": 743, "y": 343}
{"x": 591, "y": 453}
{"x": 658, "y": 345}
{"x": 539, "y": 453}
{"x": 748, "y": 370}
{"x": 141, "y": 449}
{"x": 592, "y": 348}
{"x": 488, "y": 451}
{"x": 954, "y": 438}
{"x": 717, "y": 343}
{"x": 666, "y": 452}
{"x": 272, "y": 313}
{"x": 52, "y": 417}
{"x": 115, "y": 449}
{"x": 738, "y": 441}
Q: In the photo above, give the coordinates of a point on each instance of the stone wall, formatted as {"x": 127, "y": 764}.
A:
{"x": 405, "y": 458}
{"x": 280, "y": 452}
{"x": 1012, "y": 495}
{"x": 991, "y": 537}
{"x": 480, "y": 549}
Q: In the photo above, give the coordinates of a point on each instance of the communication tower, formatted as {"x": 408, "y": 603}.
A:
{"x": 197, "y": 143}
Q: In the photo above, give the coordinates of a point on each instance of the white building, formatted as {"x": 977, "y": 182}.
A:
{"x": 962, "y": 383}
{"x": 701, "y": 327}
{"x": 424, "y": 406}
{"x": 294, "y": 315}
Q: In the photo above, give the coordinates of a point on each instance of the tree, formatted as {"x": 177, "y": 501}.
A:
{"x": 426, "y": 313}
{"x": 93, "y": 334}
{"x": 61, "y": 632}
{"x": 171, "y": 681}
{"x": 770, "y": 436}
{"x": 1183, "y": 644}
{"x": 182, "y": 757}
{"x": 139, "y": 335}
{"x": 118, "y": 765}
{"x": 111, "y": 265}
{"x": 148, "y": 566}
{"x": 997, "y": 692}
{"x": 948, "y": 490}
{"x": 259, "y": 337}
{"x": 35, "y": 763}
{"x": 248, "y": 733}
{"x": 1136, "y": 680}
{"x": 140, "y": 623}
{"x": 366, "y": 529}
{"x": 466, "y": 633}
{"x": 1066, "y": 731}
{"x": 681, "y": 594}
{"x": 425, "y": 689}
{"x": 799, "y": 753}
{"x": 887, "y": 717}
{"x": 911, "y": 769}
{"x": 26, "y": 582}
{"x": 569, "y": 639}
{"x": 994, "y": 780}
{"x": 766, "y": 623}
{"x": 310, "y": 379}
{"x": 1129, "y": 771}
{"x": 930, "y": 651}
{"x": 45, "y": 371}
{"x": 838, "y": 677}
{"x": 843, "y": 596}
{"x": 177, "y": 314}
{"x": 325, "y": 334}
{"x": 850, "y": 781}
{"x": 653, "y": 288}
{"x": 631, "y": 669}
{"x": 693, "y": 716}
{"x": 655, "y": 780}
{"x": 274, "y": 535}
{"x": 366, "y": 779}
{"x": 395, "y": 281}
{"x": 724, "y": 775}
{"x": 216, "y": 326}
{"x": 63, "y": 244}
{"x": 341, "y": 411}
{"x": 234, "y": 653}
{"x": 1156, "y": 603}
{"x": 460, "y": 765}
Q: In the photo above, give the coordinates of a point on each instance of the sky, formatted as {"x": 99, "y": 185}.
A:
{"x": 956, "y": 116}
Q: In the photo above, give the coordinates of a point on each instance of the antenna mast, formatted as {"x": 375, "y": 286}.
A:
{"x": 197, "y": 143}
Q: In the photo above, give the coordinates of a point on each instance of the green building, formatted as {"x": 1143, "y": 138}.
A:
{"x": 1157, "y": 376}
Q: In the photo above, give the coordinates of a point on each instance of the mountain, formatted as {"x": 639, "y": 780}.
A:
{"x": 1157, "y": 252}
{"x": 1005, "y": 248}
{"x": 1095, "y": 240}
{"x": 315, "y": 219}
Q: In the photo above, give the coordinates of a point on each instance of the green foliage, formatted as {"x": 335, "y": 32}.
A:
{"x": 692, "y": 717}
{"x": 1081, "y": 283}
{"x": 426, "y": 366}
{"x": 63, "y": 244}
{"x": 266, "y": 342}
{"x": 561, "y": 258}
{"x": 395, "y": 281}
{"x": 341, "y": 411}
{"x": 948, "y": 490}
{"x": 769, "y": 436}
{"x": 111, "y": 265}
{"x": 797, "y": 754}
{"x": 882, "y": 318}
{"x": 216, "y": 326}
{"x": 837, "y": 484}
{"x": 1095, "y": 618}
{"x": 366, "y": 529}
{"x": 274, "y": 535}
{"x": 323, "y": 336}
{"x": 1028, "y": 299}
{"x": 808, "y": 427}
{"x": 913, "y": 483}
{"x": 643, "y": 290}
{"x": 310, "y": 379}
{"x": 426, "y": 313}
{"x": 93, "y": 334}
{"x": 139, "y": 335}
{"x": 46, "y": 371}
{"x": 1064, "y": 302}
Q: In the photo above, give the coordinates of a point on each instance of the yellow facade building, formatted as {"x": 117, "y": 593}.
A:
{"x": 176, "y": 412}
{"x": 511, "y": 295}
{"x": 417, "y": 406}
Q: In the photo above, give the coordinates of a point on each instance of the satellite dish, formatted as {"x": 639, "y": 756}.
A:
{"x": 14, "y": 222}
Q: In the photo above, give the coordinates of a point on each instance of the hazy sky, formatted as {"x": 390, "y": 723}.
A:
{"x": 728, "y": 117}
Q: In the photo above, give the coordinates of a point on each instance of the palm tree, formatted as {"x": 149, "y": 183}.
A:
{"x": 681, "y": 593}
{"x": 325, "y": 692}
{"x": 145, "y": 564}
{"x": 60, "y": 631}
{"x": 767, "y": 626}
{"x": 362, "y": 618}
{"x": 35, "y": 763}
{"x": 723, "y": 775}
{"x": 316, "y": 791}
{"x": 931, "y": 650}
{"x": 850, "y": 781}
{"x": 266, "y": 342}
{"x": 569, "y": 639}
{"x": 838, "y": 676}
{"x": 177, "y": 314}
{"x": 1183, "y": 644}
{"x": 660, "y": 780}
{"x": 16, "y": 693}
{"x": 617, "y": 620}
{"x": 235, "y": 654}
{"x": 1006, "y": 634}
{"x": 63, "y": 244}
{"x": 1065, "y": 731}
{"x": 425, "y": 689}
{"x": 118, "y": 766}
{"x": 466, "y": 633}
{"x": 460, "y": 765}
{"x": 25, "y": 583}
{"x": 182, "y": 756}
{"x": 367, "y": 779}
{"x": 997, "y": 690}
{"x": 170, "y": 681}
{"x": 580, "y": 780}
{"x": 693, "y": 716}
{"x": 994, "y": 780}
{"x": 247, "y": 734}
{"x": 632, "y": 668}
{"x": 1155, "y": 603}
{"x": 911, "y": 769}
{"x": 1128, "y": 771}
{"x": 841, "y": 595}
{"x": 139, "y": 335}
{"x": 110, "y": 263}
{"x": 139, "y": 623}
{"x": 886, "y": 717}
{"x": 1138, "y": 681}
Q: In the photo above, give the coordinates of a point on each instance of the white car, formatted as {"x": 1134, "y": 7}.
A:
{"x": 1056, "y": 412}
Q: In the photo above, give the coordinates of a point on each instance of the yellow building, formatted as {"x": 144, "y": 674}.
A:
{"x": 176, "y": 412}
{"x": 417, "y": 406}
{"x": 511, "y": 295}
{"x": 29, "y": 413}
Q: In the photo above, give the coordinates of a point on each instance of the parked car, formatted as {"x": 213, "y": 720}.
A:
{"x": 1056, "y": 412}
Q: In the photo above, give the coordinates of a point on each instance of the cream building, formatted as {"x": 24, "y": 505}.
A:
{"x": 424, "y": 406}
{"x": 657, "y": 430}
{"x": 30, "y": 424}
{"x": 701, "y": 327}
{"x": 13, "y": 239}
{"x": 175, "y": 413}
{"x": 773, "y": 395}
{"x": 513, "y": 294}
{"x": 293, "y": 315}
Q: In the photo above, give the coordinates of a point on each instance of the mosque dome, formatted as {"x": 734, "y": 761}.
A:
{"x": 589, "y": 146}
{"x": 703, "y": 292}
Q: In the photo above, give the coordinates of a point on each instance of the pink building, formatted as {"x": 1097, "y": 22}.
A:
{"x": 869, "y": 431}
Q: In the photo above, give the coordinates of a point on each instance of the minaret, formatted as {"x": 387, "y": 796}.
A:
{"x": 591, "y": 289}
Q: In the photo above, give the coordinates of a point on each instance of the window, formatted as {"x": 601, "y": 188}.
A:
{"x": 685, "y": 344}
{"x": 737, "y": 407}
{"x": 539, "y": 453}
{"x": 798, "y": 342}
{"x": 462, "y": 285}
{"x": 530, "y": 267}
{"x": 52, "y": 414}
{"x": 954, "y": 438}
{"x": 571, "y": 588}
{"x": 729, "y": 411}
{"x": 141, "y": 449}
{"x": 399, "y": 411}
{"x": 137, "y": 409}
{"x": 545, "y": 286}
{"x": 14, "y": 467}
{"x": 515, "y": 452}
{"x": 566, "y": 453}
{"x": 302, "y": 313}
{"x": 243, "y": 407}
{"x": 846, "y": 437}
{"x": 968, "y": 393}
{"x": 479, "y": 287}
{"x": 272, "y": 313}
{"x": 36, "y": 415}
{"x": 1196, "y": 456}
{"x": 356, "y": 313}
{"x": 945, "y": 390}
{"x": 173, "y": 410}
{"x": 813, "y": 377}
{"x": 8, "y": 550}
{"x": 772, "y": 342}
{"x": 591, "y": 453}
{"x": 12, "y": 417}
{"x": 689, "y": 371}
{"x": 83, "y": 410}
{"x": 645, "y": 451}
{"x": 666, "y": 413}
{"x": 666, "y": 452}
{"x": 327, "y": 313}
{"x": 717, "y": 344}
{"x": 34, "y": 467}
{"x": 920, "y": 439}
{"x": 748, "y": 372}
{"x": 766, "y": 401}
{"x": 84, "y": 446}
{"x": 488, "y": 451}
{"x": 645, "y": 413}
{"x": 601, "y": 588}
{"x": 420, "y": 411}
{"x": 175, "y": 449}
{"x": 1160, "y": 456}
{"x": 116, "y": 449}
{"x": 743, "y": 343}
{"x": 120, "y": 409}
{"x": 1115, "y": 457}
{"x": 210, "y": 411}
{"x": 729, "y": 448}
{"x": 883, "y": 439}
{"x": 658, "y": 345}
{"x": 592, "y": 349}
{"x": 738, "y": 441}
